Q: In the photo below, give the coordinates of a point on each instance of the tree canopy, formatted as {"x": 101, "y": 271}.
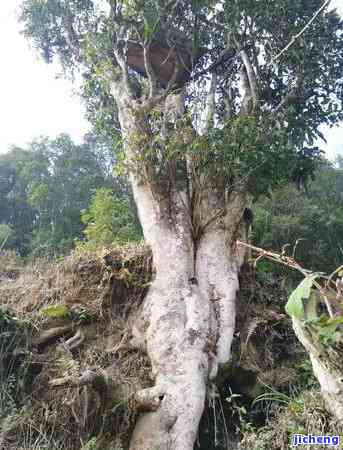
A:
{"x": 45, "y": 186}
{"x": 158, "y": 46}
{"x": 310, "y": 222}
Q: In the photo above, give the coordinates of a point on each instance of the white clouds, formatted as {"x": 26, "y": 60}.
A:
{"x": 34, "y": 103}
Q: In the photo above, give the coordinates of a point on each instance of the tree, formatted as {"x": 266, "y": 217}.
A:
{"x": 5, "y": 235}
{"x": 15, "y": 210}
{"x": 155, "y": 67}
{"x": 108, "y": 219}
{"x": 74, "y": 173}
{"x": 45, "y": 186}
{"x": 313, "y": 217}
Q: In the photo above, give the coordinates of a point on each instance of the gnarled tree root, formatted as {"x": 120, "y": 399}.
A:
{"x": 109, "y": 384}
{"x": 46, "y": 337}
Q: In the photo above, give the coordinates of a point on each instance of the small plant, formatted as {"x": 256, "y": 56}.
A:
{"x": 240, "y": 410}
{"x": 81, "y": 315}
{"x": 91, "y": 444}
{"x": 7, "y": 396}
{"x": 108, "y": 219}
{"x": 272, "y": 396}
{"x": 307, "y": 379}
{"x": 316, "y": 293}
{"x": 55, "y": 312}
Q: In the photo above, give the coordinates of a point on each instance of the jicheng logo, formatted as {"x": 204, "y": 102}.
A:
{"x": 312, "y": 439}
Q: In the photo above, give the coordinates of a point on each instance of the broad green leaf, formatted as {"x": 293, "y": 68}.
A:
{"x": 295, "y": 305}
{"x": 310, "y": 306}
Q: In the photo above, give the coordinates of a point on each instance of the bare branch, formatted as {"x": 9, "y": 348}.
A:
{"x": 75, "y": 341}
{"x": 297, "y": 36}
{"x": 150, "y": 71}
{"x": 148, "y": 399}
{"x": 125, "y": 73}
{"x": 247, "y": 91}
{"x": 251, "y": 77}
{"x": 289, "y": 262}
{"x": 52, "y": 334}
{"x": 210, "y": 103}
{"x": 256, "y": 65}
{"x": 89, "y": 377}
{"x": 228, "y": 101}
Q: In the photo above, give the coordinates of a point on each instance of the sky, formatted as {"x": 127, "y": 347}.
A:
{"x": 34, "y": 102}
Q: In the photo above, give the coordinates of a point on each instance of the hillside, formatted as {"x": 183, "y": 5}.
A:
{"x": 67, "y": 332}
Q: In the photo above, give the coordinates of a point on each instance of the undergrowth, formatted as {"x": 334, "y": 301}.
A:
{"x": 90, "y": 293}
{"x": 266, "y": 394}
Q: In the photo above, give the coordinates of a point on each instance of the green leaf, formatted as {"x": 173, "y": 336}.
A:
{"x": 310, "y": 306}
{"x": 295, "y": 305}
{"x": 326, "y": 328}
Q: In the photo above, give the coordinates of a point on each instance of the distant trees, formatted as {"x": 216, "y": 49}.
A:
{"x": 109, "y": 218}
{"x": 44, "y": 188}
{"x": 314, "y": 215}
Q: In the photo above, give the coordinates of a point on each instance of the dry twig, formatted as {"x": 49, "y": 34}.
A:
{"x": 297, "y": 36}
{"x": 288, "y": 261}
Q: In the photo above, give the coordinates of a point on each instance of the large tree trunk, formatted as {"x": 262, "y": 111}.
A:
{"x": 327, "y": 366}
{"x": 187, "y": 320}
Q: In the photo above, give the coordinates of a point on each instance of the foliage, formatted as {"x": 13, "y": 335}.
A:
{"x": 5, "y": 234}
{"x": 303, "y": 293}
{"x": 44, "y": 188}
{"x": 307, "y": 416}
{"x": 91, "y": 444}
{"x": 310, "y": 220}
{"x": 276, "y": 126}
{"x": 317, "y": 302}
{"x": 271, "y": 395}
{"x": 328, "y": 330}
{"x": 306, "y": 377}
{"x": 108, "y": 219}
{"x": 244, "y": 150}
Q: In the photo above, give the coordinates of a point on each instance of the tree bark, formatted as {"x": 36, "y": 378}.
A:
{"x": 188, "y": 316}
{"x": 327, "y": 367}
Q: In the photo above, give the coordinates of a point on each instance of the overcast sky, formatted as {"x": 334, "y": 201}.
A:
{"x": 33, "y": 102}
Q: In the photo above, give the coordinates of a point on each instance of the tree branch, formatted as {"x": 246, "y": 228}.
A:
{"x": 251, "y": 77}
{"x": 210, "y": 103}
{"x": 247, "y": 91}
{"x": 228, "y": 102}
{"x": 52, "y": 334}
{"x": 89, "y": 377}
{"x": 152, "y": 78}
{"x": 125, "y": 73}
{"x": 75, "y": 341}
{"x": 297, "y": 36}
{"x": 289, "y": 262}
{"x": 148, "y": 399}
